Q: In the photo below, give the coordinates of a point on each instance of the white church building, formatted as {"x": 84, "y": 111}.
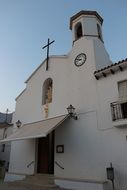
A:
{"x": 77, "y": 148}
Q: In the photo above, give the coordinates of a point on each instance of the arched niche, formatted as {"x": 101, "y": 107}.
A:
{"x": 78, "y": 31}
{"x": 47, "y": 91}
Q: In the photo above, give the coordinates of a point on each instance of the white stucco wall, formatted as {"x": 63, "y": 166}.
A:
{"x": 92, "y": 142}
{"x": 22, "y": 154}
{"x": 83, "y": 146}
{"x": 102, "y": 58}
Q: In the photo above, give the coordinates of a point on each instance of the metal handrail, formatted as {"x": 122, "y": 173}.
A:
{"x": 30, "y": 164}
{"x": 59, "y": 165}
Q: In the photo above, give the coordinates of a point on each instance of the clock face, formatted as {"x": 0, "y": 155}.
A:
{"x": 80, "y": 59}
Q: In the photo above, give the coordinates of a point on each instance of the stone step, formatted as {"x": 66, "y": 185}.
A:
{"x": 18, "y": 185}
{"x": 32, "y": 186}
{"x": 42, "y": 180}
{"x": 37, "y": 182}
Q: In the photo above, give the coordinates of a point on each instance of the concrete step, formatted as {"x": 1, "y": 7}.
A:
{"x": 37, "y": 182}
{"x": 32, "y": 186}
{"x": 40, "y": 180}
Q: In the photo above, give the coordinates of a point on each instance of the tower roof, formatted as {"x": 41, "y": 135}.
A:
{"x": 85, "y": 13}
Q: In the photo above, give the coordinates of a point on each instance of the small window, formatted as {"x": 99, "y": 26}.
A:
{"x": 3, "y": 148}
{"x": 47, "y": 91}
{"x": 99, "y": 32}
{"x": 122, "y": 88}
{"x": 124, "y": 109}
{"x": 78, "y": 31}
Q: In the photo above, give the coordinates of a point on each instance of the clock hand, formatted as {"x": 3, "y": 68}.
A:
{"x": 79, "y": 59}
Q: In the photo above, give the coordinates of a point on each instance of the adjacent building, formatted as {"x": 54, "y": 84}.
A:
{"x": 5, "y": 131}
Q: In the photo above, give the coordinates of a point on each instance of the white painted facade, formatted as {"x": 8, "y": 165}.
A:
{"x": 92, "y": 142}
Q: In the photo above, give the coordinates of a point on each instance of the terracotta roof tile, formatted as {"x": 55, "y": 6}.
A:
{"x": 110, "y": 66}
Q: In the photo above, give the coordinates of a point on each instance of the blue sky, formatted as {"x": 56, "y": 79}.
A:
{"x": 25, "y": 26}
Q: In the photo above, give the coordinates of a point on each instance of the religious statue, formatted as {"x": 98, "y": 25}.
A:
{"x": 48, "y": 99}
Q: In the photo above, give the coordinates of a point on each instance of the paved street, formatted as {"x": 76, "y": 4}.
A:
{"x": 5, "y": 186}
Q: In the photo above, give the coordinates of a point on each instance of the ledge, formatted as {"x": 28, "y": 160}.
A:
{"x": 82, "y": 180}
{"x": 120, "y": 123}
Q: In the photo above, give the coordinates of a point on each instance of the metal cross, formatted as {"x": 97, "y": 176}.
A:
{"x": 48, "y": 44}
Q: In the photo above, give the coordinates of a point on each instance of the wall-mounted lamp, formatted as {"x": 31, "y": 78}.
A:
{"x": 71, "y": 111}
{"x": 18, "y": 123}
{"x": 110, "y": 174}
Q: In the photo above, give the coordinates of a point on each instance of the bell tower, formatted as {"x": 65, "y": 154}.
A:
{"x": 86, "y": 24}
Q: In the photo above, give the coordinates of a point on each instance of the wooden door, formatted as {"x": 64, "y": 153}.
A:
{"x": 46, "y": 154}
{"x": 43, "y": 154}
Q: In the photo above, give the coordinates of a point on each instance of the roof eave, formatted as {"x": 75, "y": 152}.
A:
{"x": 111, "y": 69}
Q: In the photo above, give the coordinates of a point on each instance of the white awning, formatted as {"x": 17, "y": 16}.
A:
{"x": 36, "y": 130}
